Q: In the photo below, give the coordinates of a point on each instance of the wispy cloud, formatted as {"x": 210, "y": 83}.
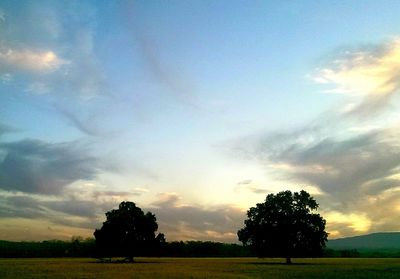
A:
{"x": 354, "y": 173}
{"x": 86, "y": 126}
{"x": 353, "y": 163}
{"x": 83, "y": 209}
{"x": 249, "y": 185}
{"x": 5, "y": 129}
{"x": 2, "y": 16}
{"x": 53, "y": 56}
{"x": 174, "y": 81}
{"x": 180, "y": 221}
{"x": 370, "y": 72}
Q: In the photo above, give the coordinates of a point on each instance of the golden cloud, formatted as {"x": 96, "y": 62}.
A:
{"x": 359, "y": 223}
{"x": 366, "y": 72}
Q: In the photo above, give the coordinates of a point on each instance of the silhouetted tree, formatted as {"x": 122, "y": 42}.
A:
{"x": 284, "y": 226}
{"x": 127, "y": 232}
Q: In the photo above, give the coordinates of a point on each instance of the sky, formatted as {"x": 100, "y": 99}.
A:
{"x": 195, "y": 111}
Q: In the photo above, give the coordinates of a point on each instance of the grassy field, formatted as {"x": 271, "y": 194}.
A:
{"x": 201, "y": 268}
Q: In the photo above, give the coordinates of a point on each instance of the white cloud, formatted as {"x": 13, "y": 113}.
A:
{"x": 370, "y": 73}
{"x": 55, "y": 54}
{"x": 365, "y": 72}
{"x": 30, "y": 60}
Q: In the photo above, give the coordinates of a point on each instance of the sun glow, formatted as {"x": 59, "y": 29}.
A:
{"x": 358, "y": 222}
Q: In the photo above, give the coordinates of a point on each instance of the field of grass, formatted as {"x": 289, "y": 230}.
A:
{"x": 325, "y": 268}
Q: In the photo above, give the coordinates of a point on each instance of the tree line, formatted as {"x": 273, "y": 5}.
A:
{"x": 76, "y": 247}
{"x": 79, "y": 247}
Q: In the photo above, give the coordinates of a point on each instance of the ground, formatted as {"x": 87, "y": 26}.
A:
{"x": 200, "y": 268}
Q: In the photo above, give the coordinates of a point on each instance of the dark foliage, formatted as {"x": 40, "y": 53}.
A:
{"x": 284, "y": 226}
{"x": 77, "y": 247}
{"x": 362, "y": 253}
{"x": 127, "y": 232}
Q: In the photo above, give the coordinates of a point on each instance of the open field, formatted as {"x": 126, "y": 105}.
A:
{"x": 201, "y": 268}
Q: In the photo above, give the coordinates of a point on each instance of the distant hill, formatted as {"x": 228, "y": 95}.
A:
{"x": 390, "y": 240}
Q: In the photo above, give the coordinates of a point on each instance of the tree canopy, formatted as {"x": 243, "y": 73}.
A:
{"x": 127, "y": 232}
{"x": 285, "y": 226}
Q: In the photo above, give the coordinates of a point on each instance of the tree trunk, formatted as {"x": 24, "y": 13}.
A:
{"x": 288, "y": 260}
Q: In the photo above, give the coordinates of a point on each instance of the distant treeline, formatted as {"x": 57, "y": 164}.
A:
{"x": 362, "y": 253}
{"x": 79, "y": 247}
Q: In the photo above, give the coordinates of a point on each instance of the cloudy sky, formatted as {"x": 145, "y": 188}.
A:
{"x": 196, "y": 110}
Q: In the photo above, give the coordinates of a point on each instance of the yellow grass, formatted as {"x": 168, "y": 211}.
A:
{"x": 200, "y": 268}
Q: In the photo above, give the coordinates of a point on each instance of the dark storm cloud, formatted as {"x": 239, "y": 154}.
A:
{"x": 46, "y": 168}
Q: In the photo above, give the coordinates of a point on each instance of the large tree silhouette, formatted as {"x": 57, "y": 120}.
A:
{"x": 285, "y": 226}
{"x": 127, "y": 232}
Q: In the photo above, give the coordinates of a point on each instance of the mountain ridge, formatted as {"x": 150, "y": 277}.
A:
{"x": 379, "y": 240}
